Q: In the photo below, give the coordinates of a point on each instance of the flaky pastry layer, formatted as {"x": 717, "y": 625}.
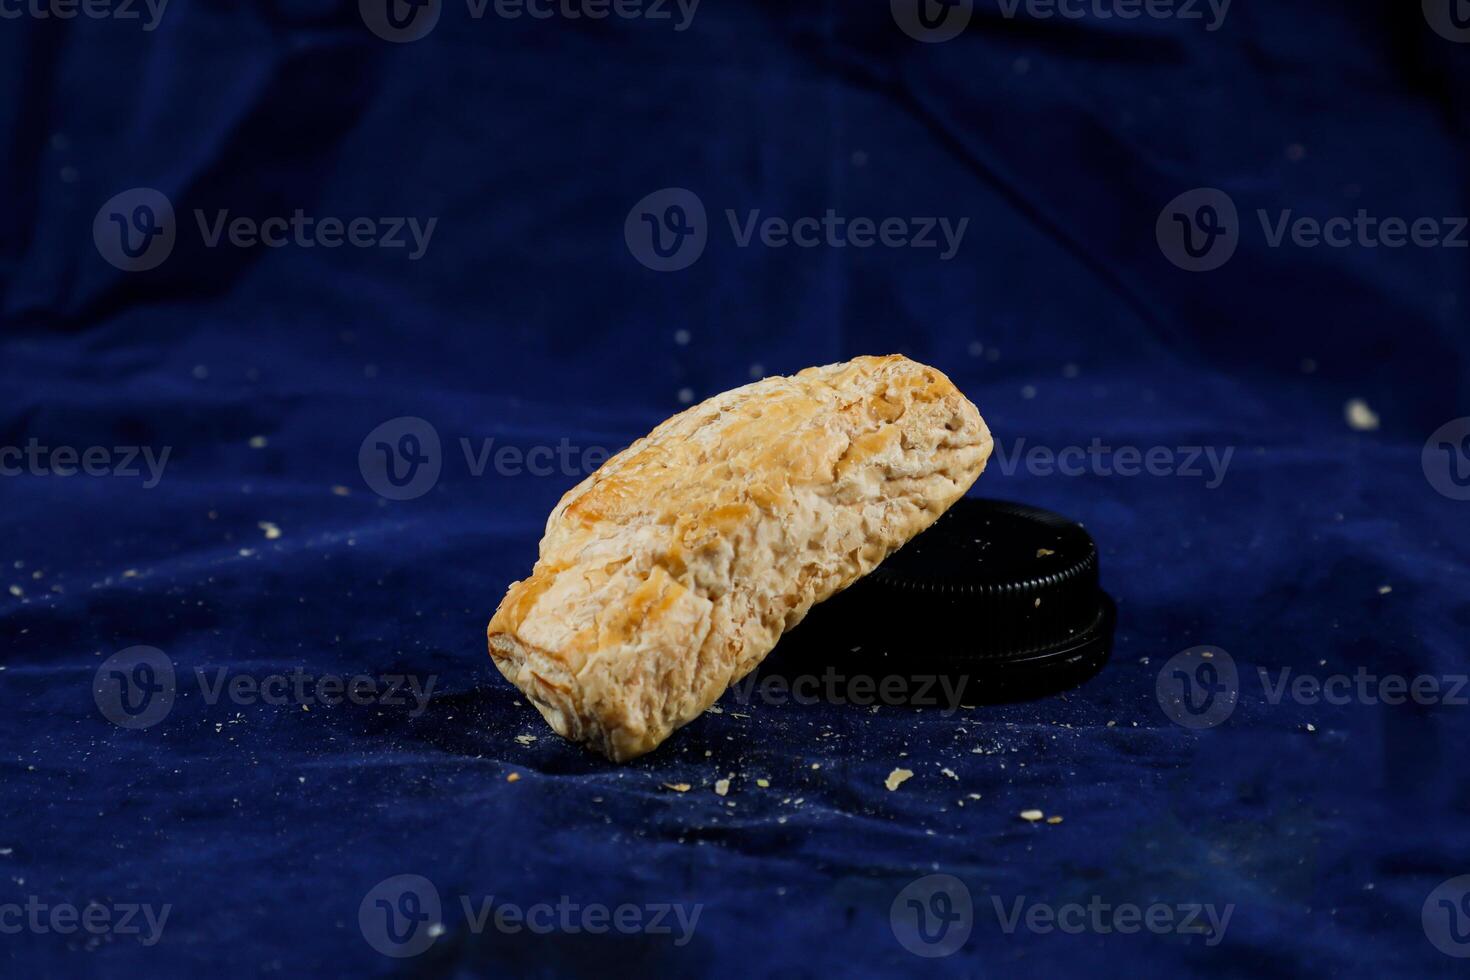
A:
{"x": 670, "y": 572}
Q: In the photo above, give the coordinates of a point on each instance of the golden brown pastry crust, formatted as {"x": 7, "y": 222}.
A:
{"x": 671, "y": 572}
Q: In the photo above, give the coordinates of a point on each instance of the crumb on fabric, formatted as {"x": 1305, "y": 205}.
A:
{"x": 513, "y": 777}
{"x": 1360, "y": 417}
{"x": 1031, "y": 816}
{"x": 677, "y": 787}
{"x": 897, "y": 778}
{"x": 722, "y": 787}
{"x": 1043, "y": 552}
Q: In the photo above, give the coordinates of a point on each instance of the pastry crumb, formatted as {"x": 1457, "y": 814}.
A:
{"x": 1043, "y": 552}
{"x": 513, "y": 777}
{"x": 1053, "y": 820}
{"x": 763, "y": 783}
{"x": 1031, "y": 816}
{"x": 897, "y": 778}
{"x": 1360, "y": 417}
{"x": 677, "y": 787}
{"x": 722, "y": 787}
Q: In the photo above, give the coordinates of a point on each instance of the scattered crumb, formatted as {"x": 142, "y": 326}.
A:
{"x": 1031, "y": 816}
{"x": 1053, "y": 820}
{"x": 949, "y": 773}
{"x": 1112, "y": 724}
{"x": 677, "y": 787}
{"x": 526, "y": 739}
{"x": 1385, "y": 589}
{"x": 1311, "y": 727}
{"x": 763, "y": 783}
{"x": 722, "y": 787}
{"x": 973, "y": 796}
{"x": 1043, "y": 552}
{"x": 1359, "y": 416}
{"x": 271, "y": 531}
{"x": 513, "y": 777}
{"x": 258, "y": 442}
{"x": 897, "y": 778}
{"x": 816, "y": 765}
{"x": 715, "y": 709}
{"x": 1037, "y": 603}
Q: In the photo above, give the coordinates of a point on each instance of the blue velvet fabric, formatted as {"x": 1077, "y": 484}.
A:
{"x": 264, "y": 548}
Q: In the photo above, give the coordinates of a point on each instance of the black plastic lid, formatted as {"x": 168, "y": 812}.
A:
{"x": 999, "y": 591}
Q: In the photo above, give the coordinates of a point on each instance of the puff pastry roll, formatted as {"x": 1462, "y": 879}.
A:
{"x": 670, "y": 572}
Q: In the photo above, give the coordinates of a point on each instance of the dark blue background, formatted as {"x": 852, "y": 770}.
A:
{"x": 528, "y": 320}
